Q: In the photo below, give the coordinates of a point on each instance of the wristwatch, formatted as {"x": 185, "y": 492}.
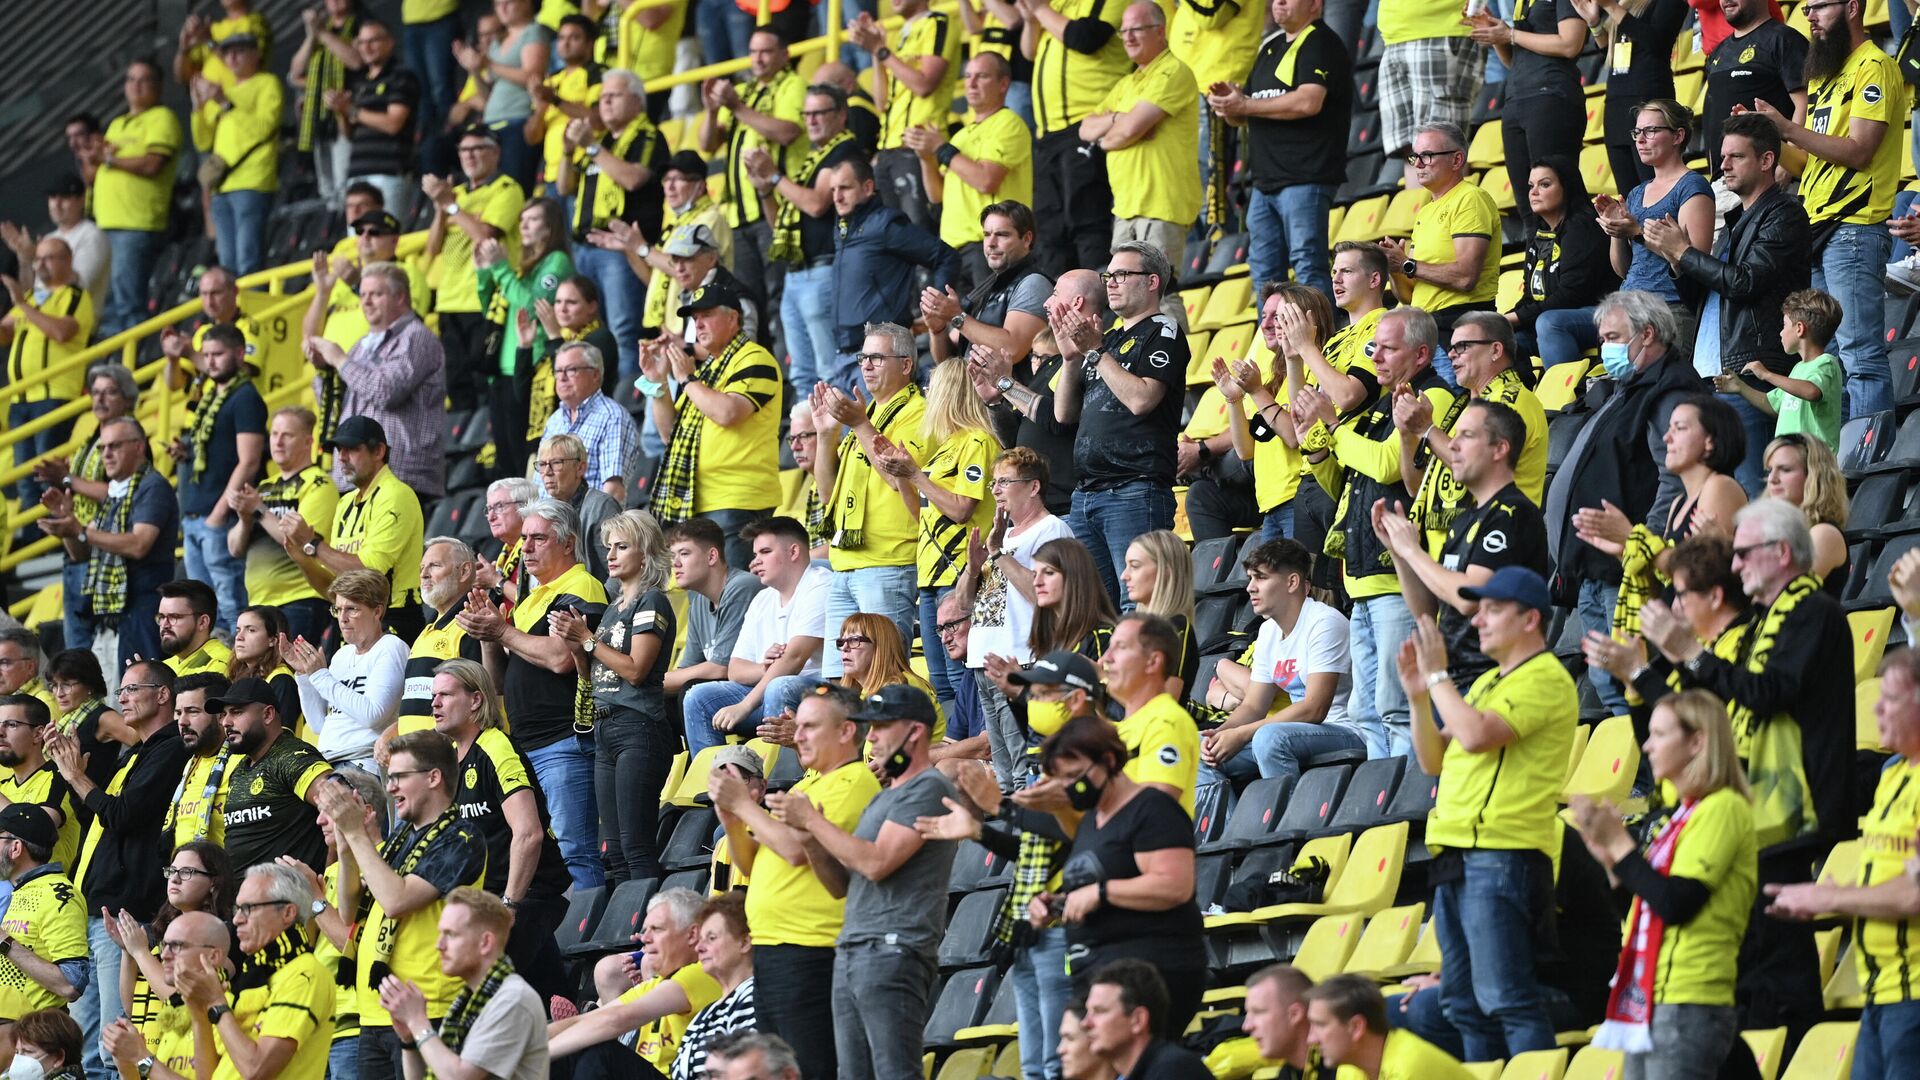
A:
{"x": 319, "y": 908}
{"x": 1408, "y": 267}
{"x": 588, "y": 646}
{"x": 954, "y": 324}
{"x": 881, "y": 54}
{"x": 645, "y": 249}
{"x": 1435, "y": 678}
{"x": 144, "y": 1067}
{"x": 312, "y": 548}
{"x": 1004, "y": 383}
{"x": 214, "y": 1013}
{"x": 6, "y": 946}
{"x": 592, "y": 151}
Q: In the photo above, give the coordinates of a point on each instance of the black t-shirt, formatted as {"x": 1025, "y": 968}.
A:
{"x": 1769, "y": 62}
{"x": 650, "y": 613}
{"x": 491, "y": 771}
{"x": 375, "y": 153}
{"x": 1508, "y": 531}
{"x": 1046, "y": 436}
{"x": 1312, "y": 149}
{"x": 816, "y": 233}
{"x": 267, "y": 812}
{"x": 1151, "y": 821}
{"x": 456, "y": 857}
{"x": 1115, "y": 447}
{"x": 243, "y": 412}
{"x": 544, "y": 706}
{"x": 1532, "y": 74}
{"x": 1648, "y": 72}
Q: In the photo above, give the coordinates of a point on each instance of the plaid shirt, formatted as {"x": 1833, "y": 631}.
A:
{"x": 611, "y": 437}
{"x": 399, "y": 377}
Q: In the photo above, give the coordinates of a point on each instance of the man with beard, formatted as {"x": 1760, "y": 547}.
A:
{"x": 274, "y": 792}
{"x": 43, "y": 954}
{"x": 1008, "y": 305}
{"x": 219, "y": 292}
{"x": 448, "y": 570}
{"x": 32, "y": 780}
{"x": 188, "y": 609}
{"x": 1855, "y": 95}
{"x": 1760, "y": 59}
{"x": 221, "y": 452}
{"x": 199, "y": 802}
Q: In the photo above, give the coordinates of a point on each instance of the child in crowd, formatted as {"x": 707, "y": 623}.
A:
{"x": 1806, "y": 400}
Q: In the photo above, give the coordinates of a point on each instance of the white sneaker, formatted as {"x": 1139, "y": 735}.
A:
{"x": 1904, "y": 275}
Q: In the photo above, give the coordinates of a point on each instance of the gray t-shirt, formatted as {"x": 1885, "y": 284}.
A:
{"x": 712, "y": 628}
{"x": 509, "y": 1037}
{"x": 909, "y": 906}
{"x": 1030, "y": 296}
{"x": 620, "y": 624}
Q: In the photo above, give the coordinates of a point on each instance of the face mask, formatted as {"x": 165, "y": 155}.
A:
{"x": 895, "y": 764}
{"x": 1614, "y": 357}
{"x": 26, "y": 1068}
{"x": 1083, "y": 794}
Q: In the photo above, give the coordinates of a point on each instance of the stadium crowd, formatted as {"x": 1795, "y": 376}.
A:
{"x": 856, "y": 508}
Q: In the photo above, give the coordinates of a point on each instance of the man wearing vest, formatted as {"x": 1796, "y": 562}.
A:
{"x": 1008, "y": 305}
{"x": 615, "y": 175}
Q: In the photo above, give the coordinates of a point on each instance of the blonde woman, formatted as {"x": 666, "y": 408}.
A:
{"x": 626, "y": 660}
{"x": 1804, "y": 472}
{"x": 1158, "y": 579}
{"x": 349, "y": 701}
{"x": 955, "y": 483}
{"x": 1671, "y": 1008}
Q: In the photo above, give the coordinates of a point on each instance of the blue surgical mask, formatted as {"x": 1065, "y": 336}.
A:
{"x": 1614, "y": 357}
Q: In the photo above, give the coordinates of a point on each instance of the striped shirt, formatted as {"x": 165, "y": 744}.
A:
{"x": 611, "y": 437}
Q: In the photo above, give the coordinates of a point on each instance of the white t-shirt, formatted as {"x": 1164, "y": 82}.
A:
{"x": 354, "y": 697}
{"x": 1318, "y": 645}
{"x": 769, "y": 622}
{"x": 1002, "y": 618}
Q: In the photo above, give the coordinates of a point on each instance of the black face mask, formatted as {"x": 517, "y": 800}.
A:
{"x": 895, "y": 765}
{"x": 1083, "y": 794}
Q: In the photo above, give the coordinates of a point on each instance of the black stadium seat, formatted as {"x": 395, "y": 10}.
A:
{"x": 583, "y": 915}
{"x": 1310, "y": 807}
{"x": 968, "y": 940}
{"x": 1368, "y": 794}
{"x": 1905, "y": 451}
{"x": 972, "y": 865}
{"x": 1863, "y": 442}
{"x": 962, "y": 1003}
{"x": 1414, "y": 798}
{"x": 692, "y": 842}
{"x": 1903, "y": 356}
{"x": 1254, "y": 816}
{"x": 1876, "y": 592}
{"x": 1210, "y": 561}
{"x": 1877, "y": 504}
{"x": 621, "y": 919}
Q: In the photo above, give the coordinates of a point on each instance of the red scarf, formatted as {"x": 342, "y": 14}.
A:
{"x": 1630, "y": 1004}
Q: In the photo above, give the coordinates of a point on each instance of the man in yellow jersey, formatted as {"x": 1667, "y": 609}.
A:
{"x": 238, "y": 122}
{"x": 988, "y": 160}
{"x": 295, "y": 485}
{"x": 43, "y": 937}
{"x": 1276, "y": 1021}
{"x": 722, "y": 459}
{"x": 51, "y": 322}
{"x": 1078, "y": 57}
{"x": 448, "y": 571}
{"x": 1429, "y": 73}
{"x": 1500, "y": 751}
{"x": 157, "y": 1037}
{"x": 1356, "y": 461}
{"x": 1850, "y": 144}
{"x": 122, "y": 851}
{"x": 187, "y": 617}
{"x": 1347, "y": 1024}
{"x": 32, "y": 780}
{"x": 497, "y": 1023}
{"x": 376, "y": 526}
{"x": 913, "y": 85}
{"x": 569, "y": 94}
{"x": 280, "y": 1020}
{"x": 431, "y": 853}
{"x": 131, "y": 171}
{"x": 1148, "y": 128}
{"x": 615, "y": 175}
{"x": 760, "y": 113}
{"x": 485, "y": 207}
{"x": 1884, "y": 900}
{"x": 794, "y": 919}
{"x": 656, "y": 1006}
{"x": 199, "y": 804}
{"x": 873, "y": 536}
{"x": 1159, "y": 733}
{"x": 1451, "y": 265}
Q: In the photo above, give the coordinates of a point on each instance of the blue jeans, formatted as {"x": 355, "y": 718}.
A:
{"x": 240, "y": 229}
{"x": 1289, "y": 227}
{"x": 1278, "y": 750}
{"x": 209, "y": 561}
{"x": 77, "y": 631}
{"x": 1853, "y": 270}
{"x": 1752, "y": 470}
{"x": 1487, "y": 987}
{"x": 564, "y": 770}
{"x": 1378, "y": 707}
{"x": 700, "y": 703}
{"x": 1596, "y": 614}
{"x": 99, "y": 1001}
{"x": 806, "y": 311}
{"x": 1443, "y": 367}
{"x": 343, "y": 1059}
{"x": 429, "y": 55}
{"x": 134, "y": 255}
{"x": 942, "y": 671}
{"x": 622, "y": 298}
{"x": 1041, "y": 990}
{"x": 1278, "y": 523}
{"x": 892, "y": 591}
{"x": 22, "y": 412}
{"x": 1564, "y": 334}
{"x": 1902, "y": 203}
{"x": 1020, "y": 100}
{"x": 724, "y": 30}
{"x": 1108, "y": 520}
{"x": 1888, "y": 1047}
{"x": 843, "y": 373}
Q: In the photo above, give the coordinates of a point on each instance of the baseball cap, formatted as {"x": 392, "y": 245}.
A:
{"x": 897, "y": 702}
{"x": 478, "y": 131}
{"x": 243, "y": 39}
{"x": 719, "y": 293}
{"x": 30, "y": 823}
{"x": 358, "y": 431}
{"x": 243, "y": 692}
{"x": 687, "y": 163}
{"x": 1062, "y": 667}
{"x": 68, "y": 184}
{"x": 1516, "y": 583}
{"x": 741, "y": 757}
{"x": 689, "y": 240}
{"x": 378, "y": 220}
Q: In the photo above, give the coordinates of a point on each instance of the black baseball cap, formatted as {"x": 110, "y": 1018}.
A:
{"x": 357, "y": 431}
{"x": 378, "y": 220}
{"x": 30, "y": 823}
{"x": 719, "y": 293}
{"x": 1062, "y": 667}
{"x": 68, "y": 184}
{"x": 897, "y": 702}
{"x": 479, "y": 131}
{"x": 242, "y": 693}
{"x": 688, "y": 163}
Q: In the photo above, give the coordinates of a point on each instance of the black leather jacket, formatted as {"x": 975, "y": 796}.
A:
{"x": 1766, "y": 254}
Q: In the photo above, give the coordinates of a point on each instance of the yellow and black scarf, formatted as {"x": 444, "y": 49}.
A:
{"x": 324, "y": 72}
{"x": 1769, "y": 746}
{"x": 106, "y": 586}
{"x": 849, "y": 503}
{"x": 786, "y": 245}
{"x": 468, "y": 1003}
{"x": 88, "y": 464}
{"x": 409, "y": 846}
{"x": 257, "y": 970}
{"x": 673, "y": 481}
{"x": 207, "y": 414}
{"x": 203, "y": 825}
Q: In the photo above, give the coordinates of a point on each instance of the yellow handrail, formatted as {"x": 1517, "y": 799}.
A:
{"x": 828, "y": 44}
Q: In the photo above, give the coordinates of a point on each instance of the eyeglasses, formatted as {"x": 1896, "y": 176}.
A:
{"x": 802, "y": 436}
{"x": 182, "y": 873}
{"x": 1121, "y": 276}
{"x": 1000, "y": 482}
{"x": 127, "y": 689}
{"x": 1649, "y": 132}
{"x": 170, "y": 947}
{"x": 1811, "y": 8}
{"x": 1470, "y": 343}
{"x": 118, "y": 444}
{"x": 851, "y": 640}
{"x": 481, "y": 149}
{"x": 1424, "y": 158}
{"x": 551, "y": 464}
{"x": 16, "y": 725}
{"x": 1742, "y": 554}
{"x": 500, "y": 508}
{"x": 874, "y": 359}
{"x": 946, "y": 629}
{"x": 1128, "y": 31}
{"x": 399, "y": 774}
{"x": 245, "y": 911}
{"x": 578, "y": 369}
{"x": 7, "y": 662}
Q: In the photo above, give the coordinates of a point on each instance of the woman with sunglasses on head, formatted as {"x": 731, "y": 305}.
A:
{"x": 544, "y": 264}
{"x": 257, "y": 632}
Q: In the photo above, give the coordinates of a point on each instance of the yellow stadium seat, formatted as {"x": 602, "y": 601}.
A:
{"x": 1499, "y": 184}
{"x": 926, "y": 1065}
{"x": 1685, "y": 56}
{"x": 1593, "y": 1063}
{"x": 1387, "y": 942}
{"x": 1008, "y": 1062}
{"x": 1560, "y": 385}
{"x": 1332, "y": 850}
{"x": 1486, "y": 150}
{"x": 1597, "y": 171}
{"x": 1424, "y": 960}
{"x": 1581, "y": 732}
{"x": 1596, "y": 119}
{"x": 675, "y": 773}
{"x": 694, "y": 781}
{"x": 1875, "y": 14}
{"x": 1513, "y": 284}
{"x": 1841, "y": 991}
{"x": 1401, "y": 210}
{"x": 1231, "y": 343}
{"x": 1689, "y": 86}
{"x": 1233, "y": 1059}
{"x": 1195, "y": 300}
{"x": 1483, "y": 1070}
{"x": 769, "y": 753}
{"x": 1367, "y": 885}
{"x": 1906, "y": 155}
{"x": 967, "y": 1064}
{"x": 1231, "y": 302}
{"x": 1197, "y": 372}
{"x": 48, "y": 606}
{"x": 1826, "y": 946}
{"x": 1826, "y": 1053}
{"x": 1365, "y": 220}
{"x": 1870, "y": 630}
{"x": 1537, "y": 1065}
{"x": 1339, "y": 214}
{"x": 1328, "y": 944}
{"x": 1607, "y": 766}
{"x": 1767, "y": 1047}
{"x": 1866, "y": 728}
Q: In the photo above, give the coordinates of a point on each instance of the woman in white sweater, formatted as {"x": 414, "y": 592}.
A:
{"x": 350, "y": 701}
